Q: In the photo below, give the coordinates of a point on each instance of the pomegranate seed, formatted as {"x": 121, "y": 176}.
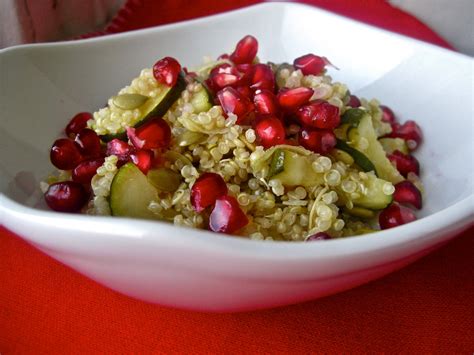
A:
{"x": 407, "y": 192}
{"x": 78, "y": 123}
{"x": 354, "y": 102}
{"x": 84, "y": 172}
{"x": 244, "y": 91}
{"x": 310, "y": 64}
{"x": 143, "y": 159}
{"x": 318, "y": 236}
{"x": 395, "y": 215}
{"x": 223, "y": 56}
{"x": 89, "y": 143}
{"x": 228, "y": 75}
{"x": 387, "y": 114}
{"x": 319, "y": 114}
{"x": 224, "y": 68}
{"x": 166, "y": 71}
{"x": 117, "y": 147}
{"x": 245, "y": 51}
{"x": 270, "y": 132}
{"x": 155, "y": 133}
{"x": 66, "y": 196}
{"x": 405, "y": 163}
{"x": 262, "y": 77}
{"x": 318, "y": 141}
{"x": 234, "y": 102}
{"x": 223, "y": 80}
{"x": 207, "y": 188}
{"x": 244, "y": 68}
{"x": 265, "y": 102}
{"x": 227, "y": 216}
{"x": 291, "y": 99}
{"x": 120, "y": 149}
{"x": 65, "y": 154}
{"x": 410, "y": 132}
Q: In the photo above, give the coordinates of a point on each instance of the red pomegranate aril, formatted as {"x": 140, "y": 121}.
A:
{"x": 89, "y": 143}
{"x": 405, "y": 163}
{"x": 310, "y": 64}
{"x": 265, "y": 102}
{"x": 155, "y": 133}
{"x": 78, "y": 123}
{"x": 227, "y": 216}
{"x": 222, "y": 80}
{"x": 143, "y": 159}
{"x": 234, "y": 102}
{"x": 86, "y": 169}
{"x": 318, "y": 141}
{"x": 120, "y": 149}
{"x": 65, "y": 154}
{"x": 319, "y": 114}
{"x": 291, "y": 99}
{"x": 223, "y": 75}
{"x": 224, "y": 68}
{"x": 270, "y": 131}
{"x": 410, "y": 132}
{"x": 223, "y": 56}
{"x": 245, "y": 51}
{"x": 207, "y": 188}
{"x": 318, "y": 236}
{"x": 166, "y": 71}
{"x": 244, "y": 91}
{"x": 262, "y": 77}
{"x": 354, "y": 102}
{"x": 66, "y": 196}
{"x": 387, "y": 114}
{"x": 395, "y": 215}
{"x": 117, "y": 147}
{"x": 407, "y": 193}
{"x": 245, "y": 71}
{"x": 244, "y": 68}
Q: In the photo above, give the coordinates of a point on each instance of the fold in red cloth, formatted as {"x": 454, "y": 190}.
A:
{"x": 427, "y": 307}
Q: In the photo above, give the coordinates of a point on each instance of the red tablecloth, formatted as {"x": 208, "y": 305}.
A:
{"x": 427, "y": 307}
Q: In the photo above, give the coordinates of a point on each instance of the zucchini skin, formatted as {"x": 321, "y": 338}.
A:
{"x": 353, "y": 116}
{"x": 359, "y": 158}
{"x": 160, "y": 109}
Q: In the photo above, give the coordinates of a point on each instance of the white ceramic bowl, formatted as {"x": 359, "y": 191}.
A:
{"x": 42, "y": 86}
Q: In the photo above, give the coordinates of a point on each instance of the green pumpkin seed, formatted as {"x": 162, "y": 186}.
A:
{"x": 360, "y": 212}
{"x": 129, "y": 101}
{"x": 277, "y": 164}
{"x": 189, "y": 137}
{"x": 172, "y": 156}
{"x": 164, "y": 179}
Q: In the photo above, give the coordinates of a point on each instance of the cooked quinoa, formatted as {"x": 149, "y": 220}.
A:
{"x": 227, "y": 149}
{"x": 212, "y": 141}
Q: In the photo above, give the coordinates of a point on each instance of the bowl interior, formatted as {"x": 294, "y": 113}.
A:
{"x": 42, "y": 86}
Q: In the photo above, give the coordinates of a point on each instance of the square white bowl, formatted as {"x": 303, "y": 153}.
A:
{"x": 42, "y": 86}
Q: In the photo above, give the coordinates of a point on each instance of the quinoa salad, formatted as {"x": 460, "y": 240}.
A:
{"x": 267, "y": 151}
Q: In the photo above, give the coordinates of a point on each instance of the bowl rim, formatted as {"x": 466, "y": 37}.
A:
{"x": 262, "y": 7}
{"x": 455, "y": 216}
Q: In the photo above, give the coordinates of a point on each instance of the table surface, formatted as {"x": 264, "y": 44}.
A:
{"x": 45, "y": 307}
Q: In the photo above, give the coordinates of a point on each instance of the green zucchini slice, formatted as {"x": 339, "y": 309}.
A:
{"x": 153, "y": 107}
{"x": 363, "y": 135}
{"x": 359, "y": 158}
{"x": 131, "y": 193}
{"x": 375, "y": 199}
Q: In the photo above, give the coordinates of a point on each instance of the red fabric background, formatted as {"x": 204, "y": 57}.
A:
{"x": 46, "y": 308}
